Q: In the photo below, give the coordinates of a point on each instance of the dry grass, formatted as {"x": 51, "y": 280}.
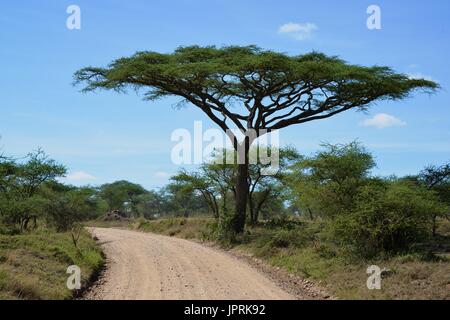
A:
{"x": 409, "y": 277}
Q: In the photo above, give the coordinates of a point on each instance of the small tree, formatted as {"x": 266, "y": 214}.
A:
{"x": 437, "y": 178}
{"x": 24, "y": 200}
{"x": 202, "y": 184}
{"x": 326, "y": 183}
{"x": 67, "y": 205}
{"x": 215, "y": 180}
{"x": 152, "y": 204}
{"x": 269, "y": 90}
{"x": 184, "y": 199}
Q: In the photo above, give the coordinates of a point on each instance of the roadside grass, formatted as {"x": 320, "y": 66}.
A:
{"x": 407, "y": 276}
{"x": 33, "y": 266}
{"x": 301, "y": 249}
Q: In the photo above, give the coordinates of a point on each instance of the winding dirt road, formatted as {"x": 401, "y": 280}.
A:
{"x": 144, "y": 266}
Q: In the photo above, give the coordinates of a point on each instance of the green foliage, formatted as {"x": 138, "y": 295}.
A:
{"x": 434, "y": 176}
{"x": 361, "y": 214}
{"x": 387, "y": 217}
{"x": 20, "y": 186}
{"x": 222, "y": 229}
{"x": 184, "y": 200}
{"x": 122, "y": 195}
{"x": 227, "y": 73}
{"x": 151, "y": 205}
{"x": 437, "y": 179}
{"x": 326, "y": 183}
{"x": 35, "y": 171}
{"x": 201, "y": 183}
{"x": 66, "y": 207}
{"x": 31, "y": 194}
{"x": 175, "y": 199}
{"x": 215, "y": 182}
{"x": 366, "y": 215}
{"x": 282, "y": 222}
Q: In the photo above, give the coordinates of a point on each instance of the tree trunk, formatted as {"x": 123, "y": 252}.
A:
{"x": 251, "y": 209}
{"x": 238, "y": 221}
{"x": 215, "y": 207}
{"x": 434, "y": 225}
{"x": 34, "y": 222}
{"x": 24, "y": 223}
{"x": 311, "y": 216}
{"x": 259, "y": 206}
{"x": 212, "y": 202}
{"x": 224, "y": 200}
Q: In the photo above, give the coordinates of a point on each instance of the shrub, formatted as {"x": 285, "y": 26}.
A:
{"x": 222, "y": 230}
{"x": 295, "y": 238}
{"x": 388, "y": 217}
{"x": 64, "y": 209}
{"x": 282, "y": 222}
{"x": 327, "y": 183}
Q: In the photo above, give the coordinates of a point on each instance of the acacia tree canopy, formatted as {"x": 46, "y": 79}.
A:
{"x": 268, "y": 90}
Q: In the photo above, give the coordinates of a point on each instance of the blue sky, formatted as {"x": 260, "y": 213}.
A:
{"x": 104, "y": 137}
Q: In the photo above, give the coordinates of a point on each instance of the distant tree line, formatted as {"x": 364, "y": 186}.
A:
{"x": 335, "y": 187}
{"x": 31, "y": 193}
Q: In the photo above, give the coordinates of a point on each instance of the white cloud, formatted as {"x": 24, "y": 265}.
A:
{"x": 418, "y": 76}
{"x": 299, "y": 31}
{"x": 383, "y": 120}
{"x": 162, "y": 174}
{"x": 80, "y": 176}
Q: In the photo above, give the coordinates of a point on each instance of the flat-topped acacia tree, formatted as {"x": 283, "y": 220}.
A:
{"x": 253, "y": 89}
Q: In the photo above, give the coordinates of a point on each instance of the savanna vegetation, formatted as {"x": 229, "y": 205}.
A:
{"x": 40, "y": 231}
{"x": 328, "y": 218}
{"x": 42, "y": 223}
{"x": 324, "y": 216}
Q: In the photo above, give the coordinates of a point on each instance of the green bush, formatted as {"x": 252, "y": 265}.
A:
{"x": 222, "y": 230}
{"x": 282, "y": 222}
{"x": 65, "y": 208}
{"x": 284, "y": 238}
{"x": 388, "y": 217}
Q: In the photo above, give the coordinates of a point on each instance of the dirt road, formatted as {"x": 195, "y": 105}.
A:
{"x": 146, "y": 266}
